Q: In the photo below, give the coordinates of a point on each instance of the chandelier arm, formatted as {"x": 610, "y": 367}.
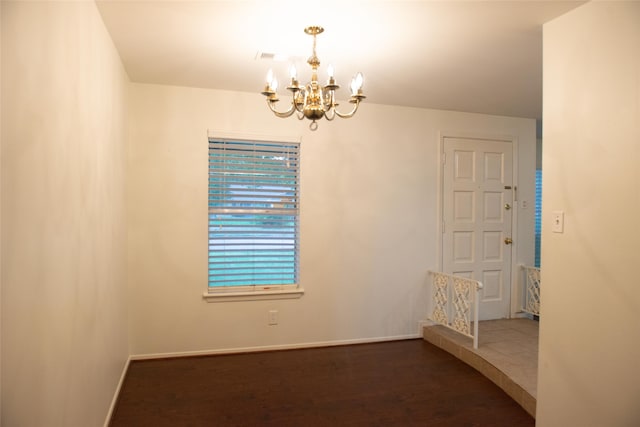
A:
{"x": 330, "y": 99}
{"x": 330, "y": 114}
{"x": 281, "y": 114}
{"x": 350, "y": 113}
{"x": 300, "y": 103}
{"x": 330, "y": 106}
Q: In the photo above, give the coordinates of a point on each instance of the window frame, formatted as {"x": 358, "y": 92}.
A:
{"x": 255, "y": 292}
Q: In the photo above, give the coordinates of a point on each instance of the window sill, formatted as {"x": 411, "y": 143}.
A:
{"x": 259, "y": 295}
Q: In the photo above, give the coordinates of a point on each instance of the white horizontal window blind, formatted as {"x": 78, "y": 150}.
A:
{"x": 253, "y": 214}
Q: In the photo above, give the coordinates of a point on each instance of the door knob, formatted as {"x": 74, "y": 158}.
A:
{"x": 508, "y": 241}
{"x": 507, "y": 206}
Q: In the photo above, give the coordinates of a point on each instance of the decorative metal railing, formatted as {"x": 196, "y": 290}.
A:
{"x": 456, "y": 303}
{"x": 531, "y": 290}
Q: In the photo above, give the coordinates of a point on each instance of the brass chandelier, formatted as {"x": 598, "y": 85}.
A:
{"x": 313, "y": 100}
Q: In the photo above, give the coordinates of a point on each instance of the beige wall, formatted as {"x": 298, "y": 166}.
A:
{"x": 369, "y": 218}
{"x": 589, "y": 374}
{"x": 64, "y": 327}
{"x": 368, "y": 221}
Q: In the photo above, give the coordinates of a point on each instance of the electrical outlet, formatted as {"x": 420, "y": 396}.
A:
{"x": 273, "y": 317}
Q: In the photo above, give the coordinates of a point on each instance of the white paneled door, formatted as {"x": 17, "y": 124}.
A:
{"x": 477, "y": 215}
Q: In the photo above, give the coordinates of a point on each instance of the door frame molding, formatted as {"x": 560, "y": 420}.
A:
{"x": 515, "y": 293}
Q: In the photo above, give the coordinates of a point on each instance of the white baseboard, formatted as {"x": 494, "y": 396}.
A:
{"x": 114, "y": 400}
{"x": 272, "y": 347}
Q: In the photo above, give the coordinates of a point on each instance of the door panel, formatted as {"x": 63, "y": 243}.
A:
{"x": 492, "y": 248}
{"x": 493, "y": 207}
{"x": 477, "y": 216}
{"x": 463, "y": 246}
{"x": 493, "y": 285}
{"x": 464, "y": 206}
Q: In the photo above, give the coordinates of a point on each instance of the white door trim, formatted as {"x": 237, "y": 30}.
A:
{"x": 514, "y": 295}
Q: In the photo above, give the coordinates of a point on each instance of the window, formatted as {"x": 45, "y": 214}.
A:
{"x": 253, "y": 218}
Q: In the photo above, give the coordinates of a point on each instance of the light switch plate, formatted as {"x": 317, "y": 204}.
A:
{"x": 557, "y": 226}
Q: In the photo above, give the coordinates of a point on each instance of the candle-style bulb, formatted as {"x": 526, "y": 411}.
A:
{"x": 293, "y": 72}
{"x": 269, "y": 77}
{"x": 354, "y": 88}
{"x": 356, "y": 83}
{"x": 274, "y": 84}
{"x": 330, "y": 71}
{"x": 359, "y": 80}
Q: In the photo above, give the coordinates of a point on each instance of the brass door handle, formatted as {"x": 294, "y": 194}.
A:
{"x": 508, "y": 241}
{"x": 507, "y": 206}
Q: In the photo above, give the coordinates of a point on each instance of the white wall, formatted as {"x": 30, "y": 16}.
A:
{"x": 368, "y": 221}
{"x": 589, "y": 370}
{"x": 64, "y": 316}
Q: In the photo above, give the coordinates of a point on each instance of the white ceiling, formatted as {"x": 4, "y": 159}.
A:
{"x": 476, "y": 56}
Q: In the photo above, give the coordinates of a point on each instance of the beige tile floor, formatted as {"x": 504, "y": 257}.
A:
{"x": 507, "y": 354}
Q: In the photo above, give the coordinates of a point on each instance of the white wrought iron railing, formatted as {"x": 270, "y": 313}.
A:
{"x": 531, "y": 290}
{"x": 456, "y": 302}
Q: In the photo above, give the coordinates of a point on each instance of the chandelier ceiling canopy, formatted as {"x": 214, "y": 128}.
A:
{"x": 313, "y": 101}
